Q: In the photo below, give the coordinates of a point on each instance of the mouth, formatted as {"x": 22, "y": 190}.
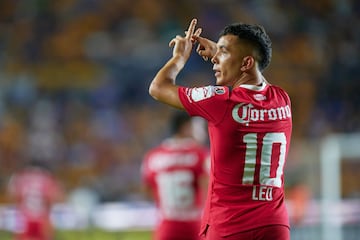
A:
{"x": 217, "y": 72}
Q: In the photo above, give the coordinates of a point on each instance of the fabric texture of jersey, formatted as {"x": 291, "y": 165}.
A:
{"x": 173, "y": 171}
{"x": 249, "y": 130}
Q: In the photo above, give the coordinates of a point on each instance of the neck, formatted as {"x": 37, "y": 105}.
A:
{"x": 254, "y": 78}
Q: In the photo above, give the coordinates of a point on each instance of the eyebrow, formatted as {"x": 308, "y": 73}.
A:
{"x": 222, "y": 47}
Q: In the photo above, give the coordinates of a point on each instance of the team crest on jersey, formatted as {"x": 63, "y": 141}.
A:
{"x": 201, "y": 93}
{"x": 219, "y": 90}
{"x": 259, "y": 97}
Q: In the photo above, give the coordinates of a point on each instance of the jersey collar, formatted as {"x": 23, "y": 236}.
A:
{"x": 254, "y": 87}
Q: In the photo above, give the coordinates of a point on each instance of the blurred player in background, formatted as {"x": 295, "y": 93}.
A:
{"x": 34, "y": 190}
{"x": 249, "y": 124}
{"x": 176, "y": 174}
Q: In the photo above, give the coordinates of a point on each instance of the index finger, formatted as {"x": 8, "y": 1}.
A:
{"x": 191, "y": 28}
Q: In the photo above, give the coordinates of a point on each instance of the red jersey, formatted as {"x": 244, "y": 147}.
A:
{"x": 173, "y": 171}
{"x": 35, "y": 190}
{"x": 249, "y": 130}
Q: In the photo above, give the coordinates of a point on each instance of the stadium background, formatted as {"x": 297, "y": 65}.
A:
{"x": 74, "y": 76}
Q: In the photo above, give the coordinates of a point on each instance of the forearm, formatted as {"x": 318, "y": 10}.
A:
{"x": 163, "y": 87}
{"x": 169, "y": 72}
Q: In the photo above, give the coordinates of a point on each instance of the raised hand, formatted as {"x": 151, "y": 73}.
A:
{"x": 206, "y": 48}
{"x": 182, "y": 46}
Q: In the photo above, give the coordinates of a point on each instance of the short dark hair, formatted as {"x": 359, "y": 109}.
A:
{"x": 255, "y": 35}
{"x": 179, "y": 119}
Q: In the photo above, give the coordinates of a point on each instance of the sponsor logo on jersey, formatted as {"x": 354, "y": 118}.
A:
{"x": 202, "y": 93}
{"x": 246, "y": 113}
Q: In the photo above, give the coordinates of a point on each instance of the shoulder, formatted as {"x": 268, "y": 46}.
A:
{"x": 153, "y": 151}
{"x": 279, "y": 91}
{"x": 277, "y": 88}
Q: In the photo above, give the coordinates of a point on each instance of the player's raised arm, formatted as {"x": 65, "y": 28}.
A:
{"x": 163, "y": 87}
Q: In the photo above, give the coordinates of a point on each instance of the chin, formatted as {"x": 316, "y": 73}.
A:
{"x": 219, "y": 82}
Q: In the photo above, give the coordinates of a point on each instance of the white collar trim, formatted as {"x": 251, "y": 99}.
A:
{"x": 254, "y": 87}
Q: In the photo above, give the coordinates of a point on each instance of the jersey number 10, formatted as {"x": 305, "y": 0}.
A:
{"x": 268, "y": 157}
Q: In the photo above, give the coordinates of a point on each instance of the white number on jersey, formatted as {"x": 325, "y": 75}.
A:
{"x": 251, "y": 141}
{"x": 176, "y": 190}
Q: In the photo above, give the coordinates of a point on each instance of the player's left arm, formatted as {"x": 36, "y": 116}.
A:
{"x": 163, "y": 87}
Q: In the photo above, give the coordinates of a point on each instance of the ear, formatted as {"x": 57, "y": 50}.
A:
{"x": 247, "y": 63}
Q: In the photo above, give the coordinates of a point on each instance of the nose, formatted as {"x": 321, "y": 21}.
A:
{"x": 214, "y": 59}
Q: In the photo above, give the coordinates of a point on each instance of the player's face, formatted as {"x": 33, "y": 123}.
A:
{"x": 228, "y": 60}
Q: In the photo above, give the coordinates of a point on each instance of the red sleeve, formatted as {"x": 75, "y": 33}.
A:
{"x": 208, "y": 102}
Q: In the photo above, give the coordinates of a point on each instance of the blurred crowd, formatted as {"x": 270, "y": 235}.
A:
{"x": 74, "y": 77}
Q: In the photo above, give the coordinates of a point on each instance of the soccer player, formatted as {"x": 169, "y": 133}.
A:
{"x": 249, "y": 124}
{"x": 176, "y": 173}
{"x": 34, "y": 190}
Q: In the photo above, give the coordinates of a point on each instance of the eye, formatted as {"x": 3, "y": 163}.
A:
{"x": 223, "y": 51}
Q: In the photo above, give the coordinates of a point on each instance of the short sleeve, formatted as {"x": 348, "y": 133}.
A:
{"x": 209, "y": 102}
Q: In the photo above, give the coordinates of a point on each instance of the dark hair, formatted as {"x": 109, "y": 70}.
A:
{"x": 179, "y": 119}
{"x": 255, "y": 35}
